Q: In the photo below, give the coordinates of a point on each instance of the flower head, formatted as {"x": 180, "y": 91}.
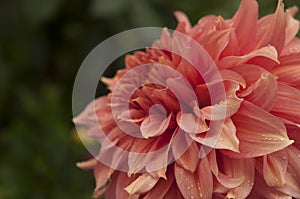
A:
{"x": 219, "y": 120}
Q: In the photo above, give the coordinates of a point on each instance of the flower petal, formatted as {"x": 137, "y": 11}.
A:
{"x": 102, "y": 174}
{"x": 287, "y": 105}
{"x": 222, "y": 135}
{"x": 273, "y": 29}
{"x": 267, "y": 53}
{"x": 288, "y": 73}
{"x": 292, "y": 28}
{"x": 291, "y": 48}
{"x": 215, "y": 42}
{"x": 122, "y": 182}
{"x": 154, "y": 125}
{"x": 89, "y": 164}
{"x": 240, "y": 168}
{"x": 181, "y": 17}
{"x": 142, "y": 184}
{"x": 191, "y": 123}
{"x": 262, "y": 190}
{"x": 224, "y": 180}
{"x": 162, "y": 186}
{"x": 246, "y": 32}
{"x": 274, "y": 168}
{"x": 197, "y": 185}
{"x": 225, "y": 108}
{"x": 258, "y": 131}
{"x": 292, "y": 185}
{"x": 189, "y": 159}
{"x": 263, "y": 92}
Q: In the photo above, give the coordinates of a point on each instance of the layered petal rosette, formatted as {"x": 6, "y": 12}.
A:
{"x": 208, "y": 111}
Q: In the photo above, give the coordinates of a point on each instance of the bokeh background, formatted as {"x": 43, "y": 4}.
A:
{"x": 42, "y": 44}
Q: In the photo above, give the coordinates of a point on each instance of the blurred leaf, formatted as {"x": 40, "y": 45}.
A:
{"x": 107, "y": 8}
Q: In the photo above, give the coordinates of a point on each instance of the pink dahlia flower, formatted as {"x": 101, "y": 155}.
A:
{"x": 254, "y": 153}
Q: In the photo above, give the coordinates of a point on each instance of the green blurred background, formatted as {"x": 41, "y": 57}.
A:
{"x": 42, "y": 44}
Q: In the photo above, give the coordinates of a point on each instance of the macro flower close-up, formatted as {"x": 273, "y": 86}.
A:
{"x": 210, "y": 110}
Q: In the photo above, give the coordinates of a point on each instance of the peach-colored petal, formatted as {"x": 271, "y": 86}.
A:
{"x": 250, "y": 73}
{"x": 292, "y": 185}
{"x": 189, "y": 159}
{"x": 89, "y": 116}
{"x": 263, "y": 191}
{"x": 289, "y": 74}
{"x": 226, "y": 107}
{"x": 197, "y": 185}
{"x": 181, "y": 17}
{"x": 274, "y": 29}
{"x": 154, "y": 125}
{"x": 291, "y": 48}
{"x": 231, "y": 75}
{"x": 224, "y": 180}
{"x": 292, "y": 28}
{"x": 263, "y": 92}
{"x": 215, "y": 42}
{"x": 89, "y": 164}
{"x": 246, "y": 32}
{"x": 142, "y": 184}
{"x": 162, "y": 186}
{"x": 203, "y": 27}
{"x": 258, "y": 131}
{"x": 287, "y": 105}
{"x": 275, "y": 167}
{"x": 191, "y": 123}
{"x": 267, "y": 52}
{"x": 102, "y": 174}
{"x": 240, "y": 168}
{"x": 122, "y": 182}
{"x": 222, "y": 135}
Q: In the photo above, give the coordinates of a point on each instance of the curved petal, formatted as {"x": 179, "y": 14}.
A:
{"x": 240, "y": 168}
{"x": 263, "y": 92}
{"x": 267, "y": 53}
{"x": 273, "y": 29}
{"x": 263, "y": 191}
{"x": 222, "y": 135}
{"x": 292, "y": 185}
{"x": 102, "y": 174}
{"x": 225, "y": 108}
{"x": 89, "y": 164}
{"x": 289, "y": 74}
{"x": 142, "y": 184}
{"x": 215, "y": 42}
{"x": 287, "y": 105}
{"x": 224, "y": 180}
{"x": 291, "y": 48}
{"x": 154, "y": 125}
{"x": 292, "y": 28}
{"x": 189, "y": 159}
{"x": 181, "y": 17}
{"x": 258, "y": 131}
{"x": 122, "y": 182}
{"x": 250, "y": 73}
{"x": 191, "y": 123}
{"x": 198, "y": 184}
{"x": 162, "y": 186}
{"x": 246, "y": 32}
{"x": 275, "y": 167}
